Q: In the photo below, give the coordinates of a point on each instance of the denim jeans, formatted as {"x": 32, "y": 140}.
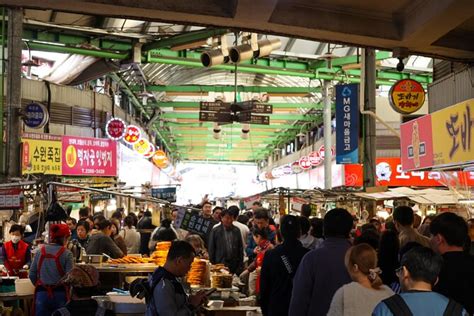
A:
{"x": 45, "y": 306}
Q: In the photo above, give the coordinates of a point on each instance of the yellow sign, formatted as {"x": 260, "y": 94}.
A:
{"x": 407, "y": 96}
{"x": 41, "y": 156}
{"x": 453, "y": 132}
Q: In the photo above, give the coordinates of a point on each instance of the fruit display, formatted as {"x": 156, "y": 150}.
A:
{"x": 198, "y": 274}
{"x": 130, "y": 260}
{"x": 161, "y": 252}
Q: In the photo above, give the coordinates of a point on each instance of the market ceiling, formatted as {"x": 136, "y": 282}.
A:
{"x": 174, "y": 80}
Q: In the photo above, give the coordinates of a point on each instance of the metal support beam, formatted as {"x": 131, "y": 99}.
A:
{"x": 327, "y": 136}
{"x": 13, "y": 128}
{"x": 217, "y": 88}
{"x": 369, "y": 121}
{"x": 279, "y": 105}
{"x": 185, "y": 38}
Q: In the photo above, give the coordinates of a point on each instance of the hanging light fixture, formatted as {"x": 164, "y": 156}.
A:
{"x": 245, "y": 131}
{"x": 216, "y": 131}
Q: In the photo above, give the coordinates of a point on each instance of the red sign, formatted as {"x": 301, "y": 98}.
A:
{"x": 305, "y": 163}
{"x": 11, "y": 198}
{"x": 151, "y": 151}
{"x": 132, "y": 134}
{"x": 89, "y": 156}
{"x": 115, "y": 128}
{"x": 389, "y": 173}
{"x": 407, "y": 96}
{"x": 322, "y": 152}
{"x": 314, "y": 158}
{"x": 416, "y": 143}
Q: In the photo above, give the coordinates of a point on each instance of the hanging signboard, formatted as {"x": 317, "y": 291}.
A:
{"x": 160, "y": 160}
{"x": 440, "y": 139}
{"x": 35, "y": 115}
{"x": 389, "y": 173}
{"x": 314, "y": 158}
{"x": 89, "y": 156}
{"x": 115, "y": 129}
{"x": 215, "y": 117}
{"x": 407, "y": 96}
{"x": 248, "y": 202}
{"x": 100, "y": 197}
{"x": 41, "y": 154}
{"x": 142, "y": 146}
{"x": 151, "y": 151}
{"x": 195, "y": 223}
{"x": 304, "y": 163}
{"x": 132, "y": 134}
{"x": 347, "y": 123}
{"x": 217, "y": 106}
{"x": 167, "y": 194}
{"x": 11, "y": 198}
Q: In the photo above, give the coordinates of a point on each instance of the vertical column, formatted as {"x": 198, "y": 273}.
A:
{"x": 327, "y": 136}
{"x": 369, "y": 121}
{"x": 15, "y": 30}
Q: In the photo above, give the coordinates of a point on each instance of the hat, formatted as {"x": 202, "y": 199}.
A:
{"x": 82, "y": 276}
{"x": 58, "y": 231}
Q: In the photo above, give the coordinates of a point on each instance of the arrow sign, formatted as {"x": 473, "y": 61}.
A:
{"x": 215, "y": 117}
{"x": 254, "y": 106}
{"x": 246, "y": 117}
{"x": 262, "y": 108}
{"x": 217, "y": 106}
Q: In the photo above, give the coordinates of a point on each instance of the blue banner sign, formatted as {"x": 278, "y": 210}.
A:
{"x": 347, "y": 123}
{"x": 167, "y": 194}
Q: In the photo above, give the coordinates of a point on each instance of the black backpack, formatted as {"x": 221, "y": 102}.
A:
{"x": 396, "y": 304}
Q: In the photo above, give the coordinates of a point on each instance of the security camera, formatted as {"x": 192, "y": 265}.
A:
{"x": 400, "y": 65}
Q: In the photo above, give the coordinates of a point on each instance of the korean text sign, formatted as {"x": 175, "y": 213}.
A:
{"x": 167, "y": 194}
{"x": 347, "y": 124}
{"x": 195, "y": 223}
{"x": 89, "y": 156}
{"x": 41, "y": 155}
{"x": 389, "y": 173}
{"x": 451, "y": 136}
{"x": 453, "y": 133}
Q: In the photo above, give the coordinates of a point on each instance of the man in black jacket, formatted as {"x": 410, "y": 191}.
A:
{"x": 225, "y": 244}
{"x": 456, "y": 279}
{"x": 279, "y": 268}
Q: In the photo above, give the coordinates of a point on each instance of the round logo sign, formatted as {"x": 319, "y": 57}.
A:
{"x": 160, "y": 159}
{"x": 151, "y": 151}
{"x": 115, "y": 128}
{"x": 295, "y": 167}
{"x": 142, "y": 146}
{"x": 132, "y": 134}
{"x": 322, "y": 152}
{"x": 35, "y": 115}
{"x": 407, "y": 96}
{"x": 314, "y": 158}
{"x": 304, "y": 163}
{"x": 71, "y": 156}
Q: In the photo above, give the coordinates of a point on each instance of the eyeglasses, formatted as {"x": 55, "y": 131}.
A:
{"x": 399, "y": 271}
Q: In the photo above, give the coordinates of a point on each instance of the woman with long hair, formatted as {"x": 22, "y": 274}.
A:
{"x": 362, "y": 295}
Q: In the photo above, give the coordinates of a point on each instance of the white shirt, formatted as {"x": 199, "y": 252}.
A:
{"x": 132, "y": 239}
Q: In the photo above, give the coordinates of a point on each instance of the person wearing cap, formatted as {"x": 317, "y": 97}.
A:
{"x": 83, "y": 281}
{"x": 50, "y": 264}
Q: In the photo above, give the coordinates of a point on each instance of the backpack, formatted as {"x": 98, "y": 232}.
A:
{"x": 396, "y": 304}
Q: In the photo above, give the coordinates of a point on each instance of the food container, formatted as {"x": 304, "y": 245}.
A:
{"x": 94, "y": 259}
{"x": 125, "y": 304}
{"x": 7, "y": 285}
{"x": 216, "y": 304}
{"x": 24, "y": 287}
